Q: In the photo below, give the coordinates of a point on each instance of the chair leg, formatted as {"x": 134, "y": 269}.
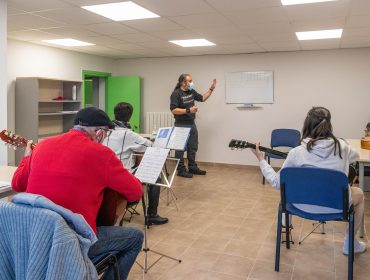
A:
{"x": 116, "y": 271}
{"x": 351, "y": 252}
{"x": 287, "y": 231}
{"x": 278, "y": 239}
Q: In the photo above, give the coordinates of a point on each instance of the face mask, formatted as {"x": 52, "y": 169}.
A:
{"x": 191, "y": 86}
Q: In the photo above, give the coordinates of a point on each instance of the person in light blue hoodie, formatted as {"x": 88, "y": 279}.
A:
{"x": 320, "y": 148}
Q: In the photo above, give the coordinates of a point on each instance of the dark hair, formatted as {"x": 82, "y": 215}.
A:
{"x": 368, "y": 126}
{"x": 181, "y": 79}
{"x": 123, "y": 112}
{"x": 317, "y": 126}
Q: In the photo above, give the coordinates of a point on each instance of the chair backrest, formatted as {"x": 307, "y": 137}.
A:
{"x": 314, "y": 186}
{"x": 285, "y": 137}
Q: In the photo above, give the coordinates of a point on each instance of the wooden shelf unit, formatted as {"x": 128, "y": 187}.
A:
{"x": 37, "y": 114}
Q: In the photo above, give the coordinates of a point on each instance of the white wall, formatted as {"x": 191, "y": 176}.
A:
{"x": 3, "y": 94}
{"x": 336, "y": 79}
{"x": 30, "y": 60}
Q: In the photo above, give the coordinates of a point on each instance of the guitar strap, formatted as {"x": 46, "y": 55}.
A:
{"x": 121, "y": 125}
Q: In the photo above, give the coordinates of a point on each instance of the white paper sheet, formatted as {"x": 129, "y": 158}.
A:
{"x": 179, "y": 138}
{"x": 4, "y": 184}
{"x": 151, "y": 165}
{"x": 163, "y": 135}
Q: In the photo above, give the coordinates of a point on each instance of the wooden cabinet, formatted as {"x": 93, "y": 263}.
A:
{"x": 45, "y": 107}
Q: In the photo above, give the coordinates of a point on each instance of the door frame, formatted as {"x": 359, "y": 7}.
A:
{"x": 94, "y": 74}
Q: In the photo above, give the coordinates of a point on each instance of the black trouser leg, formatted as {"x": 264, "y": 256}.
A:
{"x": 153, "y": 197}
{"x": 192, "y": 147}
{"x": 180, "y": 156}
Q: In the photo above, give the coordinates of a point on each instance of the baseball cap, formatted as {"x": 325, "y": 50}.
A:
{"x": 92, "y": 116}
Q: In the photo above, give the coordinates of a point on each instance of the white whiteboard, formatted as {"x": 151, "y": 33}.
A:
{"x": 250, "y": 87}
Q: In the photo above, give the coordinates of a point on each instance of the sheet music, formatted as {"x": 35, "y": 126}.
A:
{"x": 151, "y": 165}
{"x": 179, "y": 138}
{"x": 4, "y": 184}
{"x": 163, "y": 135}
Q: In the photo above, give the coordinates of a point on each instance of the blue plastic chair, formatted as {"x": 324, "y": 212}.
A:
{"x": 282, "y": 137}
{"x": 319, "y": 187}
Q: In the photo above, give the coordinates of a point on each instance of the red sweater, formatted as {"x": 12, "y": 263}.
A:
{"x": 73, "y": 171}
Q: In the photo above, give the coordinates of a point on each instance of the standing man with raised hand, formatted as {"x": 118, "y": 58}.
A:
{"x": 184, "y": 110}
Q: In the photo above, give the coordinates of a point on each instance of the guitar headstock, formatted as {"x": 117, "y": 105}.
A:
{"x": 13, "y": 140}
{"x": 239, "y": 144}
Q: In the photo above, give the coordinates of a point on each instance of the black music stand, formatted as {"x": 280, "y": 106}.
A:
{"x": 148, "y": 171}
{"x": 146, "y": 249}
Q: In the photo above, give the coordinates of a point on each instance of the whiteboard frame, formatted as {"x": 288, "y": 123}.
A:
{"x": 251, "y": 103}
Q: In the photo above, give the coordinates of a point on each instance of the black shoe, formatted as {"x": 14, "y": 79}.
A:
{"x": 197, "y": 171}
{"x": 184, "y": 173}
{"x": 157, "y": 220}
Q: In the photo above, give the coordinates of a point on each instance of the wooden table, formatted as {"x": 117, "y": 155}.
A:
{"x": 362, "y": 162}
{"x": 6, "y": 174}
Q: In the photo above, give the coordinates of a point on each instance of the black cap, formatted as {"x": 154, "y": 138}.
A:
{"x": 92, "y": 116}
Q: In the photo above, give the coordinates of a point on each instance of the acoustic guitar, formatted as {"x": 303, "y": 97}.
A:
{"x": 113, "y": 206}
{"x": 240, "y": 144}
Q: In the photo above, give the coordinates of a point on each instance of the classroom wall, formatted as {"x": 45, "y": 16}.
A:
{"x": 3, "y": 93}
{"x": 31, "y": 60}
{"x": 336, "y": 79}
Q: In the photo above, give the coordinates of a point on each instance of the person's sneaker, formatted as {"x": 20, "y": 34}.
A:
{"x": 157, "y": 220}
{"x": 197, "y": 171}
{"x": 184, "y": 173}
{"x": 359, "y": 247}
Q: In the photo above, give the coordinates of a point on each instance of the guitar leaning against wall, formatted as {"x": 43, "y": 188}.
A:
{"x": 113, "y": 206}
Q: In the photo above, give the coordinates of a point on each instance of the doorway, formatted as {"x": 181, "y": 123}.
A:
{"x": 95, "y": 89}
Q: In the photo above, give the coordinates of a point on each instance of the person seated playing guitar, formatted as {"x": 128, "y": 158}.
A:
{"x": 73, "y": 170}
{"x": 320, "y": 148}
{"x": 124, "y": 142}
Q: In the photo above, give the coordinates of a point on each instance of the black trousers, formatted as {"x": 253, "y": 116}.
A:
{"x": 191, "y": 149}
{"x": 153, "y": 199}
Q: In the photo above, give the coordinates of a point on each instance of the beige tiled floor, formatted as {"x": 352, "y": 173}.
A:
{"x": 225, "y": 229}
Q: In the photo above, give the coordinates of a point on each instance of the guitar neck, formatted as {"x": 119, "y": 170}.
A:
{"x": 270, "y": 151}
{"x": 14, "y": 140}
{"x": 239, "y": 144}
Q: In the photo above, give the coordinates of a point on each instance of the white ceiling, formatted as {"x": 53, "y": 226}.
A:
{"x": 235, "y": 26}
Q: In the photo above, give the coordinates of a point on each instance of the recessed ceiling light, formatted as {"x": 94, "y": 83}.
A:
{"x": 121, "y": 11}
{"x": 192, "y": 43}
{"x": 68, "y": 42}
{"x": 320, "y": 34}
{"x": 296, "y": 2}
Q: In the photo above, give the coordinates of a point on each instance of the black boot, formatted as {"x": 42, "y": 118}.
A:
{"x": 184, "y": 173}
{"x": 197, "y": 171}
{"x": 156, "y": 220}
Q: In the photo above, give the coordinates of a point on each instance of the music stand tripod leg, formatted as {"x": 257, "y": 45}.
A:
{"x": 146, "y": 249}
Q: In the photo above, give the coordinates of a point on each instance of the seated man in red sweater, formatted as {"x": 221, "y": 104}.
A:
{"x": 73, "y": 170}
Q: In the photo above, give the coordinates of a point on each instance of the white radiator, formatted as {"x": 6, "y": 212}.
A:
{"x": 155, "y": 120}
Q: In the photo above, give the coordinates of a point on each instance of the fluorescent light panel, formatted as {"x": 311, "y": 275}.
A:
{"x": 121, "y": 11}
{"x": 320, "y": 34}
{"x": 68, "y": 42}
{"x": 296, "y": 2}
{"x": 192, "y": 43}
